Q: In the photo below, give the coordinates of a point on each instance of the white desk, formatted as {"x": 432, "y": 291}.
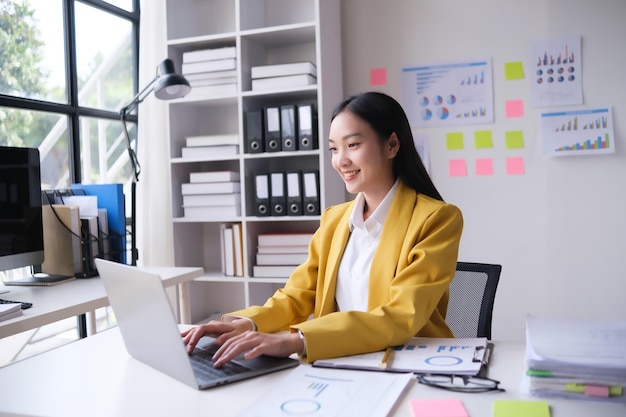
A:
{"x": 82, "y": 296}
{"x": 96, "y": 377}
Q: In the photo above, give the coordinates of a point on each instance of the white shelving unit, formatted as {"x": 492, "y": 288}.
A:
{"x": 264, "y": 32}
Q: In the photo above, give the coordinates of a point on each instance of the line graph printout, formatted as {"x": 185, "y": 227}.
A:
{"x": 449, "y": 94}
{"x": 330, "y": 392}
{"x": 577, "y": 132}
{"x": 556, "y": 72}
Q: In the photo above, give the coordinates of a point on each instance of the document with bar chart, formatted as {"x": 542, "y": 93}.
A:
{"x": 449, "y": 94}
{"x": 577, "y": 132}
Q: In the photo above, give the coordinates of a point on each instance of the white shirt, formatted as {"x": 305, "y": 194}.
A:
{"x": 354, "y": 269}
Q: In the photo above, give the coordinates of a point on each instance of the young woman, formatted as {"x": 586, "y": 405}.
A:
{"x": 379, "y": 266}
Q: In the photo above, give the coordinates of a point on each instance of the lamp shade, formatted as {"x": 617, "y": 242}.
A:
{"x": 170, "y": 85}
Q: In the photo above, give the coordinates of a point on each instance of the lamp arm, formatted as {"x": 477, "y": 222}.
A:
{"x": 138, "y": 98}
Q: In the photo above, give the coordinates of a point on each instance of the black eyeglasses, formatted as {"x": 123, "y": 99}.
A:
{"x": 460, "y": 383}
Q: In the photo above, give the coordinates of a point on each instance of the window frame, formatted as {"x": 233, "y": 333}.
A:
{"x": 72, "y": 110}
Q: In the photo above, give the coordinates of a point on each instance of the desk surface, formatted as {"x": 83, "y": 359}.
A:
{"x": 96, "y": 377}
{"x": 58, "y": 302}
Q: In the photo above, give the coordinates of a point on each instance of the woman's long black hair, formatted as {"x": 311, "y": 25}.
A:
{"x": 386, "y": 116}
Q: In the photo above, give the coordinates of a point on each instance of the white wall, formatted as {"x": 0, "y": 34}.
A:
{"x": 559, "y": 231}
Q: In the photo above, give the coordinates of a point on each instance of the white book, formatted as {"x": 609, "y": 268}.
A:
{"x": 207, "y": 66}
{"x": 212, "y": 81}
{"x": 283, "y": 249}
{"x": 265, "y": 71}
{"x": 209, "y": 151}
{"x": 211, "y": 140}
{"x": 238, "y": 244}
{"x": 287, "y": 81}
{"x": 210, "y": 54}
{"x": 210, "y": 188}
{"x": 211, "y": 74}
{"x": 284, "y": 239}
{"x": 229, "y": 251}
{"x": 196, "y": 200}
{"x": 214, "y": 176}
{"x": 272, "y": 271}
{"x": 212, "y": 91}
{"x": 203, "y": 212}
{"x": 281, "y": 258}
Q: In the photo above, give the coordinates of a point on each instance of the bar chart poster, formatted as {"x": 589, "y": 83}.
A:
{"x": 557, "y": 70}
{"x": 450, "y": 94}
{"x": 577, "y": 132}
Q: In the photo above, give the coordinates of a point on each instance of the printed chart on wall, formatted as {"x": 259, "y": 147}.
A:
{"x": 577, "y": 132}
{"x": 558, "y": 72}
{"x": 449, "y": 94}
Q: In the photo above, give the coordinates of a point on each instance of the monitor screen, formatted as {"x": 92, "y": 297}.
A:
{"x": 21, "y": 222}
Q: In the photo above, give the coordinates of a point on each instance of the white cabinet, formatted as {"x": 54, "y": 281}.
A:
{"x": 263, "y": 32}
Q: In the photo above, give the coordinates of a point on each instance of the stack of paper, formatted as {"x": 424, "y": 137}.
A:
{"x": 10, "y": 310}
{"x": 583, "y": 359}
{"x": 279, "y": 254}
{"x": 297, "y": 74}
{"x": 212, "y": 194}
{"x": 211, "y": 72}
{"x": 210, "y": 146}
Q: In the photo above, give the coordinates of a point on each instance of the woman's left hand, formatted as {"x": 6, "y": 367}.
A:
{"x": 255, "y": 343}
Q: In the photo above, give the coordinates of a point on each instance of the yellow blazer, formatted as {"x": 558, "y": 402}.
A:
{"x": 408, "y": 289}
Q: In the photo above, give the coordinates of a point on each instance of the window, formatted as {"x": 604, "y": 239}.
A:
{"x": 69, "y": 66}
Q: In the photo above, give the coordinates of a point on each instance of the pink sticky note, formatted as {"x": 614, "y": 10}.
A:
{"x": 515, "y": 165}
{"x": 378, "y": 76}
{"x": 596, "y": 390}
{"x": 457, "y": 167}
{"x": 484, "y": 166}
{"x": 514, "y": 108}
{"x": 440, "y": 407}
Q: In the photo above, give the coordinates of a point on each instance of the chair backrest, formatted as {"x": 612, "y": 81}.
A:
{"x": 472, "y": 293}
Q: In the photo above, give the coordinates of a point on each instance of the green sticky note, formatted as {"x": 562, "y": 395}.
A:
{"x": 482, "y": 139}
{"x": 513, "y": 71}
{"x": 514, "y": 139}
{"x": 454, "y": 140}
{"x": 521, "y": 408}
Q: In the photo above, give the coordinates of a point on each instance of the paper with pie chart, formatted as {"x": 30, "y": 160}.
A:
{"x": 449, "y": 94}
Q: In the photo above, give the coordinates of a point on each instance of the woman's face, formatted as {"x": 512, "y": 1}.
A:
{"x": 361, "y": 159}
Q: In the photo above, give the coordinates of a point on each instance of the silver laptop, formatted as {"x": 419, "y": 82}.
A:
{"x": 151, "y": 334}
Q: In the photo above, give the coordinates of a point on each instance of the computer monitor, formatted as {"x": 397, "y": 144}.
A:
{"x": 21, "y": 220}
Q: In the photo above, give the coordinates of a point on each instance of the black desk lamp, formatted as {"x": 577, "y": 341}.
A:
{"x": 167, "y": 85}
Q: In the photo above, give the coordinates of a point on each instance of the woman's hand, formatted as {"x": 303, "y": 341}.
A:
{"x": 255, "y": 344}
{"x": 221, "y": 331}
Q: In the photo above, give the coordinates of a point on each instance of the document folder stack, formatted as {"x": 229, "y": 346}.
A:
{"x": 578, "y": 359}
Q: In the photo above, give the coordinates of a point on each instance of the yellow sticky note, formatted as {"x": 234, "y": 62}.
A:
{"x": 482, "y": 139}
{"x": 514, "y": 139}
{"x": 454, "y": 140}
{"x": 457, "y": 167}
{"x": 521, "y": 408}
{"x": 514, "y": 71}
{"x": 484, "y": 166}
{"x": 515, "y": 165}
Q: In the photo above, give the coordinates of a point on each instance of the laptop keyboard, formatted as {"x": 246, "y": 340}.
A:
{"x": 203, "y": 366}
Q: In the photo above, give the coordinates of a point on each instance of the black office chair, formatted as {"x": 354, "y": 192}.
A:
{"x": 472, "y": 293}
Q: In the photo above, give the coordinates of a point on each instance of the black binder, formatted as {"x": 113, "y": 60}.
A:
{"x": 310, "y": 197}
{"x": 294, "y": 193}
{"x": 278, "y": 195}
{"x": 288, "y": 127}
{"x": 261, "y": 195}
{"x": 254, "y": 131}
{"x": 307, "y": 127}
{"x": 272, "y": 129}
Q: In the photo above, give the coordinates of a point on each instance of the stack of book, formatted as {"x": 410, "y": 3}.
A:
{"x": 211, "y": 72}
{"x": 210, "y": 146}
{"x": 214, "y": 194}
{"x": 576, "y": 358}
{"x": 279, "y": 254}
{"x": 297, "y": 74}
{"x": 232, "y": 250}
